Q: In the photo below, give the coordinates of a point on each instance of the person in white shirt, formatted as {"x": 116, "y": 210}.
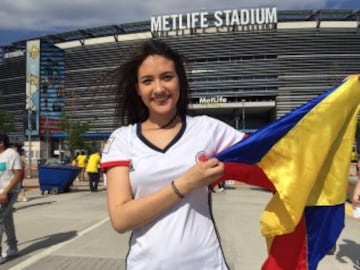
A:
{"x": 10, "y": 176}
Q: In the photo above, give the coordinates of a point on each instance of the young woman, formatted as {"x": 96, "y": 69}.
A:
{"x": 160, "y": 165}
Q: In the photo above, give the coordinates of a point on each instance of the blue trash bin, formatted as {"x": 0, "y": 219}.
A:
{"x": 57, "y": 179}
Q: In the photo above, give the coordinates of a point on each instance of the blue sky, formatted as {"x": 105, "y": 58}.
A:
{"x": 24, "y": 19}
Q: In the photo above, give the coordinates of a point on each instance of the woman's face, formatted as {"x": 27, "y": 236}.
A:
{"x": 158, "y": 85}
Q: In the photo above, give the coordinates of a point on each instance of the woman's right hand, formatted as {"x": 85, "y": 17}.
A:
{"x": 201, "y": 174}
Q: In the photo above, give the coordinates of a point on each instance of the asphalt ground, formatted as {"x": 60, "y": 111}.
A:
{"x": 72, "y": 231}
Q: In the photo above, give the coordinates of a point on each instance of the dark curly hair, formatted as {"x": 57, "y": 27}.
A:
{"x": 129, "y": 105}
{"x": 5, "y": 139}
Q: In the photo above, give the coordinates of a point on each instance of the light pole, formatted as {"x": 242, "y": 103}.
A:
{"x": 47, "y": 133}
{"x": 29, "y": 139}
{"x": 243, "y": 113}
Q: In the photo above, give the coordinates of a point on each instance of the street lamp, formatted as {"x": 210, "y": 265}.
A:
{"x": 243, "y": 113}
{"x": 29, "y": 139}
{"x": 47, "y": 132}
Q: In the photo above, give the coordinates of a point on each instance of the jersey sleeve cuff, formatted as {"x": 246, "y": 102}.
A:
{"x": 110, "y": 164}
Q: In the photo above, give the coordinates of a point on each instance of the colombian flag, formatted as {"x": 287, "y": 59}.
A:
{"x": 303, "y": 158}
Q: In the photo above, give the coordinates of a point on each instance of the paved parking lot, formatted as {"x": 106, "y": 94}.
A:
{"x": 72, "y": 231}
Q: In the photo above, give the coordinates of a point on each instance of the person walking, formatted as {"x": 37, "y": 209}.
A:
{"x": 74, "y": 159}
{"x": 22, "y": 195}
{"x": 81, "y": 161}
{"x": 157, "y": 176}
{"x": 221, "y": 186}
{"x": 10, "y": 177}
{"x": 93, "y": 170}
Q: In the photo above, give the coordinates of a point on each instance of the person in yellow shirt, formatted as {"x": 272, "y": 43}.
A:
{"x": 74, "y": 161}
{"x": 93, "y": 170}
{"x": 81, "y": 161}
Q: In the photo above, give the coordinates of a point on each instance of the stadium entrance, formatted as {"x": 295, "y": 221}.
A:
{"x": 245, "y": 115}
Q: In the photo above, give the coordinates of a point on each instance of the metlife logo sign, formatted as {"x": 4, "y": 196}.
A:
{"x": 221, "y": 18}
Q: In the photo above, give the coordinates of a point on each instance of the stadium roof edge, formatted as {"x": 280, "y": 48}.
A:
{"x": 143, "y": 26}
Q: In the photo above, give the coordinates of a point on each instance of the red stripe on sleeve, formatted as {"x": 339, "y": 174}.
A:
{"x": 110, "y": 164}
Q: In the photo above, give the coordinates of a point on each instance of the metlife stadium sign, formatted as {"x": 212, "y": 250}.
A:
{"x": 219, "y": 18}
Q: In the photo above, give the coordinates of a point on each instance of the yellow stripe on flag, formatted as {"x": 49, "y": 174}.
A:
{"x": 309, "y": 165}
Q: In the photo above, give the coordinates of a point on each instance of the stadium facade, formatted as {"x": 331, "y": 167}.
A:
{"x": 246, "y": 67}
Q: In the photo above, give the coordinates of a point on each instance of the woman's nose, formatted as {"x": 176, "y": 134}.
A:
{"x": 159, "y": 87}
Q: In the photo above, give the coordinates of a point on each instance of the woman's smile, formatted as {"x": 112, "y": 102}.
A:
{"x": 160, "y": 99}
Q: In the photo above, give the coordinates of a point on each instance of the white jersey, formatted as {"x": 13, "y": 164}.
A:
{"x": 184, "y": 237}
{"x": 9, "y": 161}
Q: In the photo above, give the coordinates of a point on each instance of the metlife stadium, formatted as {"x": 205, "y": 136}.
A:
{"x": 246, "y": 67}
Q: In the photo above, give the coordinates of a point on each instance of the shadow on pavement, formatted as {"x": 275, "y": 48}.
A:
{"x": 229, "y": 187}
{"x": 260, "y": 189}
{"x": 43, "y": 242}
{"x": 29, "y": 205}
{"x": 348, "y": 249}
{"x": 47, "y": 241}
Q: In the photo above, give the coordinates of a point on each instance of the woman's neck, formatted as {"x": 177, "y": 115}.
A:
{"x": 161, "y": 124}
{"x": 170, "y": 121}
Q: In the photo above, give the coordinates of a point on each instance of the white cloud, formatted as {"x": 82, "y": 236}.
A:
{"x": 25, "y": 19}
{"x": 65, "y": 14}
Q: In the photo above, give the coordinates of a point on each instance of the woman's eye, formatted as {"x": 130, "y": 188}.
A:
{"x": 146, "y": 81}
{"x": 167, "y": 77}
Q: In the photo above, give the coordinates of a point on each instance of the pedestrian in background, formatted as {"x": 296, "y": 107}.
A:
{"x": 81, "y": 161}
{"x": 18, "y": 148}
{"x": 10, "y": 176}
{"x": 74, "y": 161}
{"x": 93, "y": 170}
{"x": 104, "y": 179}
{"x": 221, "y": 186}
{"x": 157, "y": 176}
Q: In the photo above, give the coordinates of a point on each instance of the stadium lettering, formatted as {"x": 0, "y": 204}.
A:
{"x": 216, "y": 99}
{"x": 172, "y": 22}
{"x": 221, "y": 18}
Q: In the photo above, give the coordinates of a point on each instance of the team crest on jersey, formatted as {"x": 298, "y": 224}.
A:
{"x": 201, "y": 156}
{"x": 108, "y": 145}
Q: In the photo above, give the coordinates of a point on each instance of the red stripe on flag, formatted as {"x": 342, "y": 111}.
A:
{"x": 294, "y": 256}
{"x": 250, "y": 174}
{"x": 122, "y": 163}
